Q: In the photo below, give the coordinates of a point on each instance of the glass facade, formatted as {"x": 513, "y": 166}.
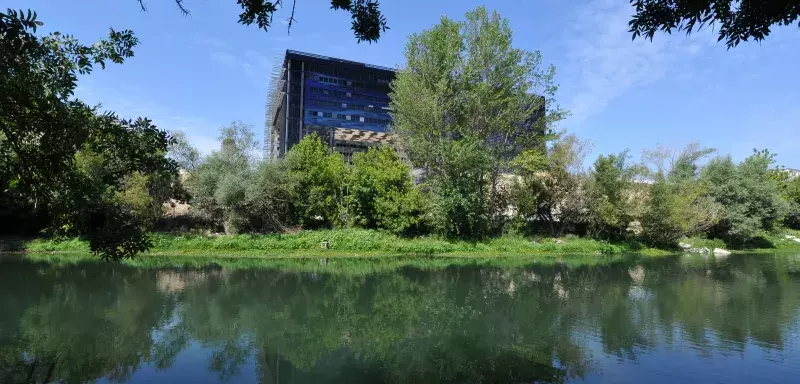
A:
{"x": 318, "y": 94}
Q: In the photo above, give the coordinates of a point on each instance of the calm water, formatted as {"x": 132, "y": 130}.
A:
{"x": 678, "y": 319}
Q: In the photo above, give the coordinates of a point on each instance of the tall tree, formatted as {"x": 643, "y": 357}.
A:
{"x": 367, "y": 21}
{"x": 48, "y": 138}
{"x": 789, "y": 187}
{"x": 187, "y": 156}
{"x": 677, "y": 203}
{"x": 615, "y": 196}
{"x": 319, "y": 176}
{"x": 737, "y": 20}
{"x": 219, "y": 184}
{"x": 466, "y": 88}
{"x": 551, "y": 187}
{"x": 748, "y": 194}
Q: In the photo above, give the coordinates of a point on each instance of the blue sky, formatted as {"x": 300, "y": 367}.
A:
{"x": 200, "y": 72}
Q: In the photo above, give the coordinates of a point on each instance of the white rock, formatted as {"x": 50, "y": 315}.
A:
{"x": 558, "y": 241}
{"x": 721, "y": 252}
{"x": 684, "y": 246}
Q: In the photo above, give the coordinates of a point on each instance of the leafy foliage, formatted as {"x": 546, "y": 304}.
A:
{"x": 180, "y": 150}
{"x": 748, "y": 194}
{"x": 94, "y": 175}
{"x": 614, "y": 195}
{"x": 678, "y": 204}
{"x": 381, "y": 193}
{"x": 465, "y": 88}
{"x": 320, "y": 179}
{"x": 552, "y": 187}
{"x": 459, "y": 187}
{"x": 677, "y": 210}
{"x": 367, "y": 20}
{"x": 737, "y": 20}
{"x": 219, "y": 184}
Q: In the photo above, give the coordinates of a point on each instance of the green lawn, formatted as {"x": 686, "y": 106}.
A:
{"x": 361, "y": 243}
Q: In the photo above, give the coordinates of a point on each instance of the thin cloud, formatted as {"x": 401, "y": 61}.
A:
{"x": 604, "y": 63}
{"x": 250, "y": 63}
{"x": 224, "y": 58}
{"x": 127, "y": 108}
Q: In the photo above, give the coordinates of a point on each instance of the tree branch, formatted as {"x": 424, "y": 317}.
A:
{"x": 184, "y": 11}
{"x": 291, "y": 18}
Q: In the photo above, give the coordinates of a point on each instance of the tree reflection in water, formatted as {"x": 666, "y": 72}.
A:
{"x": 459, "y": 324}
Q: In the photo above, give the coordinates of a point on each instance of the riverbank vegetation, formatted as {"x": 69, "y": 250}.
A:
{"x": 365, "y": 243}
{"x": 476, "y": 117}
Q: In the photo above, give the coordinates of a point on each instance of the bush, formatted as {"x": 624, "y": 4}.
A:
{"x": 382, "y": 194}
{"x": 270, "y": 197}
{"x": 613, "y": 196}
{"x": 459, "y": 190}
{"x": 675, "y": 210}
{"x": 319, "y": 179}
{"x": 219, "y": 184}
{"x": 551, "y": 188}
{"x": 748, "y": 194}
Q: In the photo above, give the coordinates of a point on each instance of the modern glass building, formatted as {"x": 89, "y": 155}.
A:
{"x": 344, "y": 102}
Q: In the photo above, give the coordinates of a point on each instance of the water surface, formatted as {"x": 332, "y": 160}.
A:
{"x": 674, "y": 319}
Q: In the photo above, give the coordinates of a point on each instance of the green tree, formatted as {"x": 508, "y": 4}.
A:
{"x": 367, "y": 20}
{"x": 180, "y": 150}
{"x": 459, "y": 187}
{"x": 381, "y": 193}
{"x": 684, "y": 167}
{"x": 677, "y": 209}
{"x": 465, "y": 87}
{"x": 737, "y": 20}
{"x": 789, "y": 188}
{"x": 748, "y": 194}
{"x": 218, "y": 185}
{"x": 614, "y": 195}
{"x": 320, "y": 176}
{"x": 270, "y": 198}
{"x": 45, "y": 133}
{"x": 552, "y": 187}
{"x": 677, "y": 203}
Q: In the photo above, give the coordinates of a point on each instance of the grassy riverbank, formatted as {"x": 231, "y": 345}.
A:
{"x": 347, "y": 243}
{"x": 365, "y": 243}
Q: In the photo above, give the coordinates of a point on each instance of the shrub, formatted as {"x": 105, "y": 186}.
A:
{"x": 675, "y": 210}
{"x": 381, "y": 193}
{"x": 218, "y": 185}
{"x": 748, "y": 195}
{"x": 613, "y": 196}
{"x": 319, "y": 179}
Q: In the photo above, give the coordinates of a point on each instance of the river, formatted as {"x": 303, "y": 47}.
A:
{"x": 683, "y": 319}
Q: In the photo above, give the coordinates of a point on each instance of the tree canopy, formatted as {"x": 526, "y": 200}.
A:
{"x": 465, "y": 105}
{"x": 367, "y": 20}
{"x": 88, "y": 173}
{"x": 737, "y": 20}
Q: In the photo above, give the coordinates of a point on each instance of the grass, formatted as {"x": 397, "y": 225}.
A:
{"x": 768, "y": 242}
{"x": 348, "y": 248}
{"x": 346, "y": 242}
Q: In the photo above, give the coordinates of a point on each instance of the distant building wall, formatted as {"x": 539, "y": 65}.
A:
{"x": 334, "y": 98}
{"x": 345, "y": 102}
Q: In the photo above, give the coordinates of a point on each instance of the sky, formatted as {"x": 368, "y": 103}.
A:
{"x": 198, "y": 73}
